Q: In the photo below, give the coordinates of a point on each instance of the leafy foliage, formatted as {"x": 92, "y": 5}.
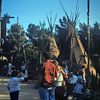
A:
{"x": 96, "y": 38}
{"x": 21, "y": 45}
{"x": 14, "y": 41}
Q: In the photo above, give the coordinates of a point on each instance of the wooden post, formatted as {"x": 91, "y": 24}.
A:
{"x": 88, "y": 18}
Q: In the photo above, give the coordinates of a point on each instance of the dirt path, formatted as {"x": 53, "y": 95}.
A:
{"x": 27, "y": 92}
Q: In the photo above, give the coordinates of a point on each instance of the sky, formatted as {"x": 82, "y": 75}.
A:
{"x": 34, "y": 11}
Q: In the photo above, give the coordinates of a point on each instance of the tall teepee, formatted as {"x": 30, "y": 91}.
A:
{"x": 74, "y": 47}
{"x": 77, "y": 51}
{"x": 52, "y": 46}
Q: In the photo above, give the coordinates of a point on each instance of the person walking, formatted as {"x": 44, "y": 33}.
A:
{"x": 14, "y": 85}
{"x": 47, "y": 78}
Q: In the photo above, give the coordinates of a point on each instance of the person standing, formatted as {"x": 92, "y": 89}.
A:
{"x": 23, "y": 67}
{"x": 14, "y": 85}
{"x": 9, "y": 69}
{"x": 26, "y": 74}
{"x": 83, "y": 68}
{"x": 60, "y": 86}
{"x": 65, "y": 66}
{"x": 47, "y": 78}
{"x": 72, "y": 79}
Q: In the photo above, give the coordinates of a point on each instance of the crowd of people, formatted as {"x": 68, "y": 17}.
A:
{"x": 55, "y": 81}
{"x": 23, "y": 69}
{"x": 58, "y": 83}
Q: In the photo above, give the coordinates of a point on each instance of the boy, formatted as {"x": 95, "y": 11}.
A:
{"x": 14, "y": 85}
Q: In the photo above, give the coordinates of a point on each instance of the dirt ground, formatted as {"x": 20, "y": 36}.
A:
{"x": 27, "y": 92}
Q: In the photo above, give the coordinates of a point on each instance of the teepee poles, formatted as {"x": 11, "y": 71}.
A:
{"x": 51, "y": 24}
{"x": 64, "y": 10}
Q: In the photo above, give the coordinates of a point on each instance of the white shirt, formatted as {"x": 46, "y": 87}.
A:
{"x": 14, "y": 83}
{"x": 60, "y": 79}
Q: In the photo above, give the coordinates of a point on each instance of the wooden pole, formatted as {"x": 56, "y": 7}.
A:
{"x": 64, "y": 10}
{"x": 0, "y": 7}
{"x": 88, "y": 18}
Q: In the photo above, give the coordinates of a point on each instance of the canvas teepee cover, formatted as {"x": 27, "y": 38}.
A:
{"x": 77, "y": 51}
{"x": 53, "y": 48}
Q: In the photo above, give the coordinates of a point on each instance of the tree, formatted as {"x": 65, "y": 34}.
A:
{"x": 14, "y": 42}
{"x": 83, "y": 35}
{"x": 36, "y": 35}
{"x": 33, "y": 31}
{"x": 96, "y": 38}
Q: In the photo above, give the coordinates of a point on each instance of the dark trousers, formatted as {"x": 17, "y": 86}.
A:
{"x": 14, "y": 95}
{"x": 59, "y": 93}
{"x": 70, "y": 88}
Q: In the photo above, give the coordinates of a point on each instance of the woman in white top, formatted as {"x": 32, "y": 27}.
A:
{"x": 14, "y": 85}
{"x": 60, "y": 86}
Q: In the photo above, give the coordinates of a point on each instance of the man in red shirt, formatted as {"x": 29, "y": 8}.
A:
{"x": 47, "y": 78}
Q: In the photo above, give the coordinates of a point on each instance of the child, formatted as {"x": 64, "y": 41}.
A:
{"x": 14, "y": 85}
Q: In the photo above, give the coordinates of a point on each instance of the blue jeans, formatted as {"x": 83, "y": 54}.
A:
{"x": 47, "y": 94}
